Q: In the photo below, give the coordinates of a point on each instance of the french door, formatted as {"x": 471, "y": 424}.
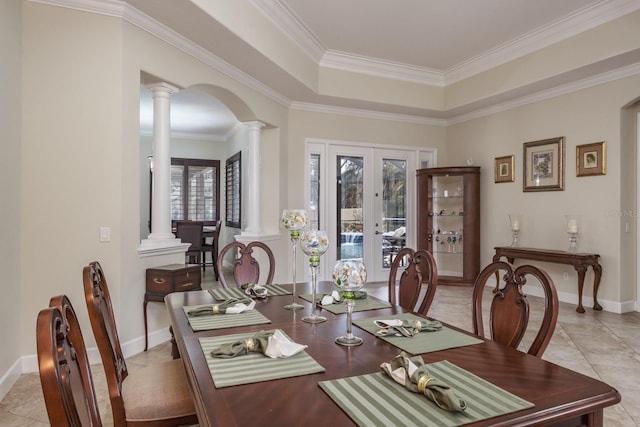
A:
{"x": 364, "y": 198}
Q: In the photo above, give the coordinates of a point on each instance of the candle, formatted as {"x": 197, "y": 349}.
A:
{"x": 515, "y": 225}
{"x": 572, "y": 226}
{"x": 446, "y": 193}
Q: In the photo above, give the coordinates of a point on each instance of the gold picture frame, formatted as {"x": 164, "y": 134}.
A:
{"x": 504, "y": 169}
{"x": 591, "y": 159}
{"x": 544, "y": 165}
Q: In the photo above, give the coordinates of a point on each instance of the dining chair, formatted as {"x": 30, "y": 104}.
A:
{"x": 246, "y": 268}
{"x": 419, "y": 268}
{"x": 153, "y": 395}
{"x": 65, "y": 373}
{"x": 509, "y": 312}
{"x": 213, "y": 248}
{"x": 191, "y": 232}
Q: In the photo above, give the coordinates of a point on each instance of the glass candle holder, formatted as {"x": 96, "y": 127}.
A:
{"x": 573, "y": 229}
{"x": 349, "y": 275}
{"x": 294, "y": 220}
{"x": 515, "y": 222}
{"x": 314, "y": 243}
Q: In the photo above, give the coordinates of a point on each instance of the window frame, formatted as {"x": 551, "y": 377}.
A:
{"x": 186, "y": 163}
{"x": 233, "y": 185}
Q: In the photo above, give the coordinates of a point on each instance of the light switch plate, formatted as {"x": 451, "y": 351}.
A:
{"x": 105, "y": 234}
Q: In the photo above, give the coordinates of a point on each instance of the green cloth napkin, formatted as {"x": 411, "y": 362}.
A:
{"x": 414, "y": 376}
{"x": 274, "y": 344}
{"x": 257, "y": 343}
{"x": 212, "y": 309}
{"x": 405, "y": 327}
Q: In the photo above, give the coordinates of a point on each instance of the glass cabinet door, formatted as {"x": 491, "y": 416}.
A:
{"x": 447, "y": 230}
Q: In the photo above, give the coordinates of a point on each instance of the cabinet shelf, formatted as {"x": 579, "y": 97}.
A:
{"x": 455, "y": 215}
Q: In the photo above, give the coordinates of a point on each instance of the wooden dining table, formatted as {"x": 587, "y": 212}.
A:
{"x": 561, "y": 397}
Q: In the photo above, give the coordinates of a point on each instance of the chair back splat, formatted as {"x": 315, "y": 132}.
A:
{"x": 65, "y": 374}
{"x": 191, "y": 232}
{"x": 154, "y": 395}
{"x": 419, "y": 268}
{"x": 509, "y": 311}
{"x": 246, "y": 268}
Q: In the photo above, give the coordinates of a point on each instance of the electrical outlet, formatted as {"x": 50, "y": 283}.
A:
{"x": 105, "y": 234}
{"x": 565, "y": 276}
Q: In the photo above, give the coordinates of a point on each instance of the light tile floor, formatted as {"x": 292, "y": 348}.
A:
{"x": 598, "y": 344}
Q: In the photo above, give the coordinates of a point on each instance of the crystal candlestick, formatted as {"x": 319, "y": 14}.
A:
{"x": 294, "y": 220}
{"x": 314, "y": 243}
{"x": 515, "y": 222}
{"x": 573, "y": 228}
{"x": 349, "y": 275}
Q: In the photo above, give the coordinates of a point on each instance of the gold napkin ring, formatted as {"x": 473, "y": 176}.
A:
{"x": 417, "y": 325}
{"x": 250, "y": 343}
{"x": 215, "y": 308}
{"x": 422, "y": 383}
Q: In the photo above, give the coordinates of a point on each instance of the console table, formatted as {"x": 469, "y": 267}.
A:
{"x": 166, "y": 279}
{"x": 579, "y": 261}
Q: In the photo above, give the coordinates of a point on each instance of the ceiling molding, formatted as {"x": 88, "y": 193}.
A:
{"x": 376, "y": 67}
{"x": 596, "y": 15}
{"x": 606, "y": 77}
{"x": 285, "y": 20}
{"x": 132, "y": 15}
{"x": 367, "y": 114}
{"x": 554, "y": 32}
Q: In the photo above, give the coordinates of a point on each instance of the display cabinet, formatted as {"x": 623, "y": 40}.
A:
{"x": 449, "y": 221}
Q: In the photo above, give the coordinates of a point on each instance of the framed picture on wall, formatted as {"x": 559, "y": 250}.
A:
{"x": 591, "y": 159}
{"x": 504, "y": 169}
{"x": 544, "y": 165}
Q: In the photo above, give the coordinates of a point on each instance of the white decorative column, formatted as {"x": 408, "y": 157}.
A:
{"x": 161, "y": 235}
{"x": 253, "y": 188}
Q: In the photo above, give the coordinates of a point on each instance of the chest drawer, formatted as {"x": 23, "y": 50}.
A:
{"x": 173, "y": 278}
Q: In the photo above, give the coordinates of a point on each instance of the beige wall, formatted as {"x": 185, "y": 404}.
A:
{"x": 10, "y": 161}
{"x": 80, "y": 134}
{"x": 582, "y": 117}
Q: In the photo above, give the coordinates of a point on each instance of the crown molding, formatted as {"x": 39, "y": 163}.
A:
{"x": 554, "y": 32}
{"x": 132, "y": 15}
{"x": 376, "y": 67}
{"x": 604, "y": 11}
{"x": 287, "y": 22}
{"x": 580, "y": 21}
{"x": 367, "y": 114}
{"x": 606, "y": 77}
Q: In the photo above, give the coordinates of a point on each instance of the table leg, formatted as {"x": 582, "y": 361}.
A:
{"x": 146, "y": 336}
{"x": 597, "y": 272}
{"x": 581, "y": 269}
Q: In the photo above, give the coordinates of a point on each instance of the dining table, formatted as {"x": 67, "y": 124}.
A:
{"x": 547, "y": 393}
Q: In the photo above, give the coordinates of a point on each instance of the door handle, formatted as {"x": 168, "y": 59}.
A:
{"x": 378, "y": 232}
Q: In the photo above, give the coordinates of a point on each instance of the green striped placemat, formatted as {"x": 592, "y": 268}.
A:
{"x": 222, "y": 294}
{"x": 376, "y": 400}
{"x": 368, "y": 303}
{"x": 220, "y": 321}
{"x": 424, "y": 342}
{"x": 253, "y": 367}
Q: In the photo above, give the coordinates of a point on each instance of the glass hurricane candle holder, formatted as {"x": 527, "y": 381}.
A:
{"x": 349, "y": 275}
{"x": 294, "y": 220}
{"x": 573, "y": 229}
{"x": 515, "y": 222}
{"x": 314, "y": 243}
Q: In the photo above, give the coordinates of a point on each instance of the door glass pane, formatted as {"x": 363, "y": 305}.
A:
{"x": 350, "y": 215}
{"x": 394, "y": 194}
{"x": 314, "y": 192}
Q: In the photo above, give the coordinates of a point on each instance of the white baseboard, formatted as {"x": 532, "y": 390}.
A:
{"x": 29, "y": 364}
{"x": 587, "y": 302}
